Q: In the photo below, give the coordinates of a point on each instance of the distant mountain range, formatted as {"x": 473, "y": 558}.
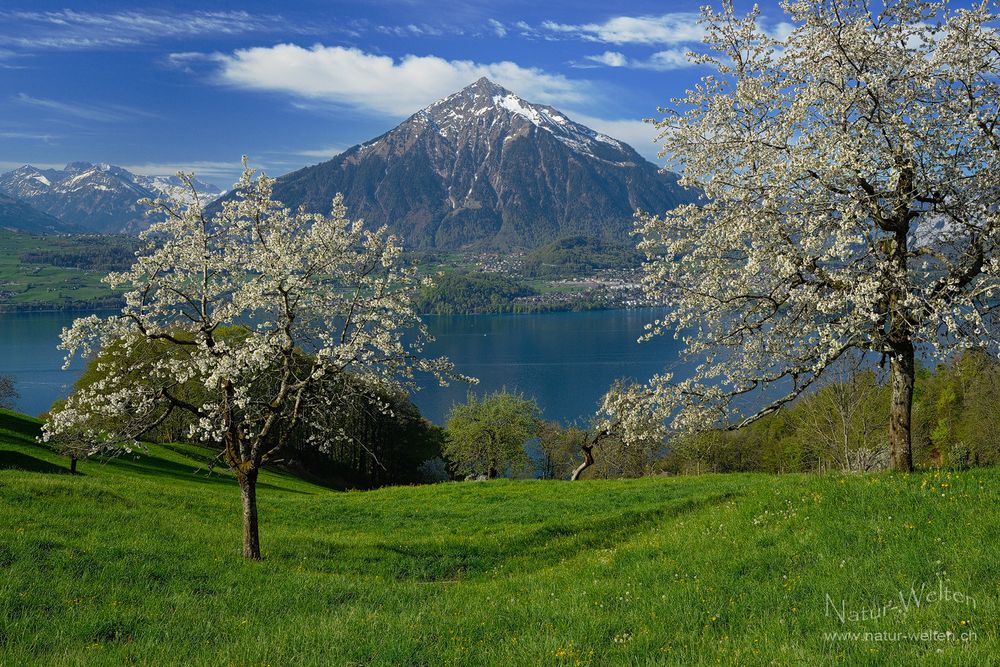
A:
{"x": 485, "y": 169}
{"x": 480, "y": 169}
{"x": 16, "y": 215}
{"x": 85, "y": 197}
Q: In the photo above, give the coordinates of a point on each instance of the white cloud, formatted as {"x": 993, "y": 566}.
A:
{"x": 781, "y": 30}
{"x": 322, "y": 153}
{"x": 636, "y": 133}
{"x": 668, "y": 29}
{"x": 107, "y": 113}
{"x": 409, "y": 30}
{"x": 354, "y": 78}
{"x": 499, "y": 28}
{"x": 610, "y": 58}
{"x": 28, "y": 136}
{"x": 673, "y": 28}
{"x": 218, "y": 172}
{"x": 171, "y": 168}
{"x": 661, "y": 61}
{"x": 526, "y": 30}
{"x": 68, "y": 29}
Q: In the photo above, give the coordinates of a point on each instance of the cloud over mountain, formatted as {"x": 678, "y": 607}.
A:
{"x": 484, "y": 168}
{"x": 352, "y": 77}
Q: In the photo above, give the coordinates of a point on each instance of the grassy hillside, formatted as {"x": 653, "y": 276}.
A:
{"x": 40, "y": 272}
{"x": 136, "y": 562}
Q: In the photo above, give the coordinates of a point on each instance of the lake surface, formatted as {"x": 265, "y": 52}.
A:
{"x": 566, "y": 361}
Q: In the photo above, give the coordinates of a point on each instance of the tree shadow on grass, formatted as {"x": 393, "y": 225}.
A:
{"x": 20, "y": 427}
{"x": 150, "y": 465}
{"x": 11, "y": 460}
{"x": 208, "y": 457}
{"x": 473, "y": 556}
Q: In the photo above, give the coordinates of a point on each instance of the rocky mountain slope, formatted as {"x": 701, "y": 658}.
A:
{"x": 89, "y": 197}
{"x": 485, "y": 169}
{"x": 19, "y": 216}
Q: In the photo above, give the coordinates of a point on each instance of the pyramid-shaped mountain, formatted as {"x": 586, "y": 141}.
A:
{"x": 485, "y": 169}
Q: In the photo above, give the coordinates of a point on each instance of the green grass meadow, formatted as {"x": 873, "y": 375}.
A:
{"x": 38, "y": 285}
{"x": 136, "y": 561}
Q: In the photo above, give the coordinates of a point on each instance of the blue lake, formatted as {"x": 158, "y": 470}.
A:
{"x": 566, "y": 361}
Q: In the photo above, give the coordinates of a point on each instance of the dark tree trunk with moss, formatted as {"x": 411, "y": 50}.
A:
{"x": 902, "y": 366}
{"x": 248, "y": 492}
{"x": 902, "y": 369}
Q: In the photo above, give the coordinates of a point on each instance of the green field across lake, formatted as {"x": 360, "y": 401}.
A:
{"x": 34, "y": 274}
{"x": 137, "y": 561}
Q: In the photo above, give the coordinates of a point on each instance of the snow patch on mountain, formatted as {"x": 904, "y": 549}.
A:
{"x": 485, "y": 168}
{"x": 95, "y": 197}
{"x": 486, "y": 107}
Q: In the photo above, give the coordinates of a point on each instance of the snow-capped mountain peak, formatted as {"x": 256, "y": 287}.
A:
{"x": 486, "y": 104}
{"x": 486, "y": 168}
{"x": 93, "y": 197}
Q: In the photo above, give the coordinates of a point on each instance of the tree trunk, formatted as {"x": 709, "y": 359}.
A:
{"x": 248, "y": 491}
{"x": 902, "y": 368}
{"x": 72, "y": 465}
{"x": 588, "y": 460}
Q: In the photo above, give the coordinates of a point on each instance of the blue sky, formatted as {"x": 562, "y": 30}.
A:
{"x": 194, "y": 85}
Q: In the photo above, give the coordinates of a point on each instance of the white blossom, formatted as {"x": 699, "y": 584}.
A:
{"x": 264, "y": 309}
{"x": 850, "y": 175}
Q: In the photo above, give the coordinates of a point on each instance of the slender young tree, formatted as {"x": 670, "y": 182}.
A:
{"x": 850, "y": 171}
{"x": 264, "y": 309}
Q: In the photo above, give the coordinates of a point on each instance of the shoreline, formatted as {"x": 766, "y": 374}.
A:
{"x": 5, "y": 310}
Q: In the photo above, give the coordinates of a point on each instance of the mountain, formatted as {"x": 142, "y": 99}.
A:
{"x": 173, "y": 185}
{"x": 90, "y": 198}
{"x": 16, "y": 215}
{"x": 485, "y": 169}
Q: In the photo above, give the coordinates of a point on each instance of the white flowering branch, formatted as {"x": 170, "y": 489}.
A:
{"x": 260, "y": 307}
{"x": 850, "y": 175}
